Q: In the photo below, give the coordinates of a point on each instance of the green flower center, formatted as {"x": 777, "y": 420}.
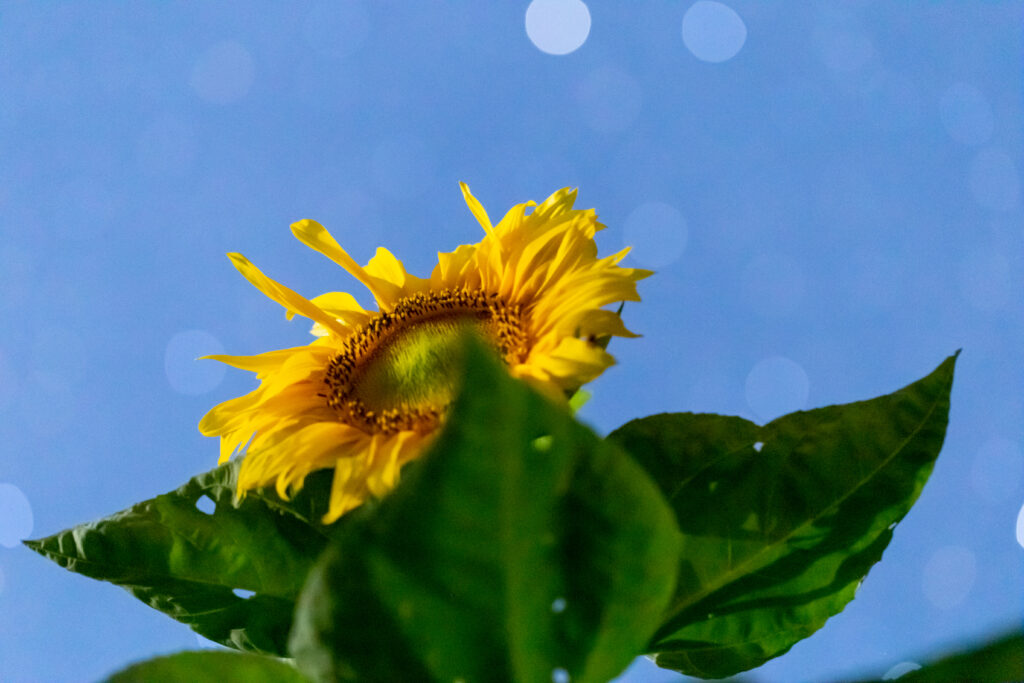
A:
{"x": 401, "y": 370}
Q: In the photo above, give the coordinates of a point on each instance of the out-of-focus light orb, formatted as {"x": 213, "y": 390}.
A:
{"x": 713, "y": 31}
{"x": 224, "y": 73}
{"x": 966, "y": 114}
{"x": 559, "y": 675}
{"x": 986, "y": 280}
{"x": 1020, "y": 527}
{"x": 777, "y": 386}
{"x": 657, "y": 233}
{"x": 185, "y": 373}
{"x": 610, "y": 99}
{"x": 994, "y": 181}
{"x": 901, "y": 669}
{"x": 16, "y": 519}
{"x": 557, "y": 27}
{"x": 949, "y": 576}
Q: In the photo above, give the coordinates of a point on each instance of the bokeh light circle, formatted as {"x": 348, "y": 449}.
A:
{"x": 949, "y": 576}
{"x": 557, "y": 27}
{"x": 185, "y": 373}
{"x": 777, "y": 386}
{"x": 901, "y": 669}
{"x": 16, "y": 518}
{"x": 657, "y": 233}
{"x": 713, "y": 32}
{"x": 1020, "y": 527}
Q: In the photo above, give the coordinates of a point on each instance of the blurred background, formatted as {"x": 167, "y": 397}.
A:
{"x": 830, "y": 193}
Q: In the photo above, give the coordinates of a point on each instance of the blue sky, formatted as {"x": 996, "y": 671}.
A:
{"x": 830, "y": 193}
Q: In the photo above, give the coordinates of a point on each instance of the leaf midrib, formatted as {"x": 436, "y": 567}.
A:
{"x": 734, "y": 573}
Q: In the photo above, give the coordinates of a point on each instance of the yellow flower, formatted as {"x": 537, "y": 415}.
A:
{"x": 370, "y": 392}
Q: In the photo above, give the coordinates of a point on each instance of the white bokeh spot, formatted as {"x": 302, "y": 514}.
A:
{"x": 224, "y": 73}
{"x": 966, "y": 114}
{"x": 657, "y": 233}
{"x": 185, "y": 373}
{"x": 557, "y": 27}
{"x": 901, "y": 669}
{"x": 949, "y": 576}
{"x": 713, "y": 32}
{"x": 1020, "y": 527}
{"x": 777, "y": 386}
{"x": 16, "y": 518}
{"x": 994, "y": 180}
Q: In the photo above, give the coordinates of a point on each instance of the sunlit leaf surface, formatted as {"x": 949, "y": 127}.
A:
{"x": 231, "y": 572}
{"x": 210, "y": 667}
{"x": 782, "y": 522}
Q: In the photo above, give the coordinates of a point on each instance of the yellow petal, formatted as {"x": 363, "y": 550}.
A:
{"x": 316, "y": 237}
{"x": 292, "y": 301}
{"x": 478, "y": 210}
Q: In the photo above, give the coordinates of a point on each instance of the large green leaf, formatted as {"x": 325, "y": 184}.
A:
{"x": 782, "y": 522}
{"x": 210, "y": 666}
{"x": 187, "y": 563}
{"x": 520, "y": 545}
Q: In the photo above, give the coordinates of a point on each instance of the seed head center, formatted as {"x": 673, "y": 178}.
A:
{"x": 400, "y": 371}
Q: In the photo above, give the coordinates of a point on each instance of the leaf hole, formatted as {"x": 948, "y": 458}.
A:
{"x": 758, "y": 446}
{"x": 242, "y": 593}
{"x": 206, "y": 505}
{"x": 558, "y": 606}
{"x": 559, "y": 675}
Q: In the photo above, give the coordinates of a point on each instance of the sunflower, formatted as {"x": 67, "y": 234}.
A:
{"x": 370, "y": 392}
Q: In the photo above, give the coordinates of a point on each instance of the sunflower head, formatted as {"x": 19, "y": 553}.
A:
{"x": 369, "y": 393}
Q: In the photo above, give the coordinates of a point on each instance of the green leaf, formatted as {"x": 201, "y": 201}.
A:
{"x": 519, "y": 545}
{"x": 995, "y": 662}
{"x": 187, "y": 563}
{"x": 210, "y": 667}
{"x": 782, "y": 522}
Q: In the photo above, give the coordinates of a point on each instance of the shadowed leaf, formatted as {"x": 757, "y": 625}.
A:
{"x": 521, "y": 544}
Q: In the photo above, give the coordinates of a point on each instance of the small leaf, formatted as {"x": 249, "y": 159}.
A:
{"x": 210, "y": 667}
{"x": 521, "y": 544}
{"x": 187, "y": 563}
{"x": 781, "y": 523}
